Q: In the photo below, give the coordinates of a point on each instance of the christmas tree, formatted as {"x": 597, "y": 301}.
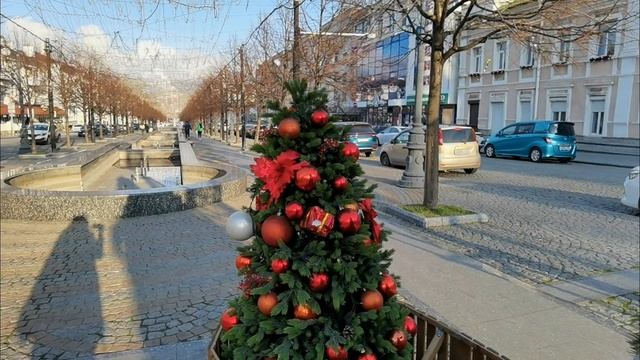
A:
{"x": 316, "y": 281}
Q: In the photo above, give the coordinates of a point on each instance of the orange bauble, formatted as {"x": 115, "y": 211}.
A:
{"x": 304, "y": 312}
{"x": 267, "y": 302}
{"x": 275, "y": 229}
{"x": 387, "y": 286}
{"x": 242, "y": 262}
{"x": 289, "y": 128}
{"x": 372, "y": 300}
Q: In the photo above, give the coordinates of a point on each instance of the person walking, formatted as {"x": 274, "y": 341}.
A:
{"x": 187, "y": 129}
{"x": 200, "y": 129}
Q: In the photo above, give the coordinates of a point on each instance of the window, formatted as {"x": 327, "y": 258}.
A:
{"x": 559, "y": 110}
{"x": 476, "y": 67}
{"x": 563, "y": 51}
{"x": 501, "y": 55}
{"x": 361, "y": 27}
{"x": 528, "y": 56}
{"x": 564, "y": 129}
{"x": 403, "y": 138}
{"x": 597, "y": 116}
{"x": 524, "y": 129}
{"x": 509, "y": 130}
{"x": 525, "y": 109}
{"x": 606, "y": 42}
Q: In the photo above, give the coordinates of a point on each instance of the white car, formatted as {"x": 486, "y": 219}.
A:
{"x": 632, "y": 189}
{"x": 41, "y": 133}
{"x": 389, "y": 133}
{"x": 75, "y": 128}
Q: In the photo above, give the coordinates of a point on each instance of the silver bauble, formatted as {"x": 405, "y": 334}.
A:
{"x": 240, "y": 226}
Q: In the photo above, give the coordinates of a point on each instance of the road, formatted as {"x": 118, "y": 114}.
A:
{"x": 9, "y": 147}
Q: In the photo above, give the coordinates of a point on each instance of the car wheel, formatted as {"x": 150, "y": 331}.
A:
{"x": 470, "y": 171}
{"x": 490, "y": 151}
{"x": 384, "y": 159}
{"x": 367, "y": 153}
{"x": 535, "y": 155}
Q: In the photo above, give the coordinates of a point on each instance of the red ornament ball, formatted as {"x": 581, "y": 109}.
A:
{"x": 319, "y": 118}
{"x": 371, "y": 300}
{"x": 280, "y": 265}
{"x": 289, "y": 128}
{"x": 294, "y": 211}
{"x": 307, "y": 178}
{"x": 351, "y": 150}
{"x": 399, "y": 339}
{"x": 340, "y": 183}
{"x": 242, "y": 262}
{"x": 367, "y": 357}
{"x": 387, "y": 286}
{"x": 336, "y": 354}
{"x": 349, "y": 221}
{"x": 229, "y": 319}
{"x": 267, "y": 302}
{"x": 275, "y": 229}
{"x": 304, "y": 312}
{"x": 319, "y": 282}
{"x": 410, "y": 325}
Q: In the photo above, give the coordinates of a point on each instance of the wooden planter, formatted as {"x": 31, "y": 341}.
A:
{"x": 434, "y": 338}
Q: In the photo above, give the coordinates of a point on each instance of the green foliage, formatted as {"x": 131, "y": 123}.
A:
{"x": 441, "y": 210}
{"x": 352, "y": 266}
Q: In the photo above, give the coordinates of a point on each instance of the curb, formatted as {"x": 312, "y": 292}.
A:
{"x": 601, "y": 164}
{"x": 426, "y": 223}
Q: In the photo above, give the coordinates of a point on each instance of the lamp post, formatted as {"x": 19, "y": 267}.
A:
{"x": 52, "y": 128}
{"x": 413, "y": 175}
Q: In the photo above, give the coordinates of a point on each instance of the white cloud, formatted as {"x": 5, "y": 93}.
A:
{"x": 92, "y": 37}
{"x": 35, "y": 31}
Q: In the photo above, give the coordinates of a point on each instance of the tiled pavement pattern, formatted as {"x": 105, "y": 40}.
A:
{"x": 620, "y": 309}
{"x": 73, "y": 289}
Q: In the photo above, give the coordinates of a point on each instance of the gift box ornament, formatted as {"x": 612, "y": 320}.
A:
{"x": 318, "y": 221}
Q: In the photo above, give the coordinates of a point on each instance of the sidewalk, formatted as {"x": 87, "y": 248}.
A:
{"x": 500, "y": 312}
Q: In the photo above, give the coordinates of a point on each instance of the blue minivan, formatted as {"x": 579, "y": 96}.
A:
{"x": 537, "y": 140}
{"x": 361, "y": 134}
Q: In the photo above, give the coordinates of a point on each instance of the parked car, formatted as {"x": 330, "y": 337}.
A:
{"x": 361, "y": 134}
{"x": 631, "y": 195}
{"x": 105, "y": 130}
{"x": 389, "y": 133}
{"x": 75, "y": 128}
{"x": 42, "y": 133}
{"x": 481, "y": 140}
{"x": 458, "y": 149}
{"x": 81, "y": 132}
{"x": 536, "y": 141}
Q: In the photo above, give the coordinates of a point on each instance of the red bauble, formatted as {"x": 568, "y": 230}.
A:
{"x": 294, "y": 211}
{"x": 319, "y": 118}
{"x": 280, "y": 265}
{"x": 336, "y": 354}
{"x": 307, "y": 178}
{"x": 242, "y": 262}
{"x": 349, "y": 221}
{"x": 340, "y": 183}
{"x": 267, "y": 302}
{"x": 289, "y": 128}
{"x": 410, "y": 325}
{"x": 387, "y": 286}
{"x": 275, "y": 229}
{"x": 229, "y": 319}
{"x": 372, "y": 300}
{"x": 351, "y": 150}
{"x": 304, "y": 312}
{"x": 319, "y": 282}
{"x": 367, "y": 357}
{"x": 399, "y": 339}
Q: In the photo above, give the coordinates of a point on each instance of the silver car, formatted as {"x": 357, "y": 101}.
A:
{"x": 458, "y": 149}
{"x": 389, "y": 133}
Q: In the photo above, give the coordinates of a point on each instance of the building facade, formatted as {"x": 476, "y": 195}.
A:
{"x": 593, "y": 82}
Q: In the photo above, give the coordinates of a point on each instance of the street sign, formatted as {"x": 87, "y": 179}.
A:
{"x": 411, "y": 99}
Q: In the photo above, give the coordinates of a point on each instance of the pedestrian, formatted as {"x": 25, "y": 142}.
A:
{"x": 187, "y": 129}
{"x": 199, "y": 129}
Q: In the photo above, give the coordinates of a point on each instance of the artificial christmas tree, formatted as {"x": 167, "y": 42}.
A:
{"x": 317, "y": 283}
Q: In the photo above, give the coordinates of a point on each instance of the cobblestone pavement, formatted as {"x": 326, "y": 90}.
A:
{"x": 76, "y": 288}
{"x": 620, "y": 309}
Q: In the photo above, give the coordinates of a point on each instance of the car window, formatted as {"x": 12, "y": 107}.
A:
{"x": 524, "y": 129}
{"x": 403, "y": 138}
{"x": 394, "y": 130}
{"x": 509, "y": 130}
{"x": 359, "y": 129}
{"x": 457, "y": 135}
{"x": 565, "y": 129}
{"x": 40, "y": 126}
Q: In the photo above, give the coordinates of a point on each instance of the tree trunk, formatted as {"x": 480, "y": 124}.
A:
{"x": 66, "y": 125}
{"x": 256, "y": 136}
{"x": 84, "y": 124}
{"x": 126, "y": 121}
{"x": 433, "y": 122}
{"x": 101, "y": 133}
{"x": 91, "y": 124}
{"x": 115, "y": 124}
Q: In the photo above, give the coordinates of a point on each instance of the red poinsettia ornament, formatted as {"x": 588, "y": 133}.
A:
{"x": 278, "y": 173}
{"x": 369, "y": 215}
